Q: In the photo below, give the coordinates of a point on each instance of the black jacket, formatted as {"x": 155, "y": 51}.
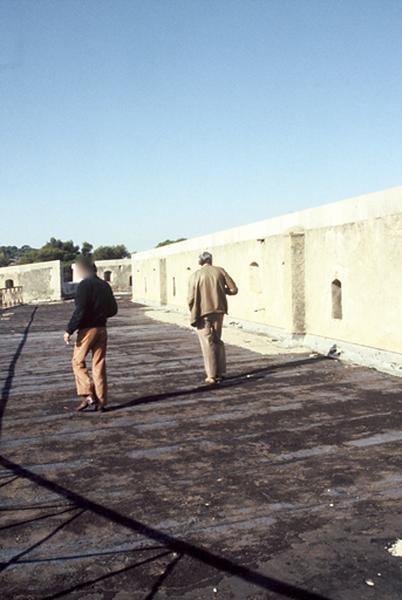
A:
{"x": 94, "y": 304}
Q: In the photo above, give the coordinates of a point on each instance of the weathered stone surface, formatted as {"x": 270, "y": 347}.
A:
{"x": 285, "y": 268}
{"x": 41, "y": 282}
{"x": 285, "y": 482}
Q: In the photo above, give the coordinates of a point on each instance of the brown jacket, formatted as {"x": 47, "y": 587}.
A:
{"x": 207, "y": 292}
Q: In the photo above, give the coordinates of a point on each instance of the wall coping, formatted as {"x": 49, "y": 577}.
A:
{"x": 29, "y": 266}
{"x": 112, "y": 261}
{"x": 351, "y": 210}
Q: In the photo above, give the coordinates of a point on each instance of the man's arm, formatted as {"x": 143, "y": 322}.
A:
{"x": 230, "y": 286}
{"x": 81, "y": 303}
{"x": 191, "y": 292}
{"x": 112, "y": 308}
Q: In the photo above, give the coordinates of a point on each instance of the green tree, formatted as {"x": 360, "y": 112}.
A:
{"x": 168, "y": 242}
{"x": 110, "y": 252}
{"x": 54, "y": 249}
{"x": 28, "y": 255}
{"x": 8, "y": 255}
{"x": 4, "y": 258}
{"x": 86, "y": 248}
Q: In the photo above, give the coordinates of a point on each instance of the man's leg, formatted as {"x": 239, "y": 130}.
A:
{"x": 83, "y": 381}
{"x": 206, "y": 335}
{"x": 99, "y": 366}
{"x": 217, "y": 323}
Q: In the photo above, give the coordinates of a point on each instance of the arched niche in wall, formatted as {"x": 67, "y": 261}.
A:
{"x": 255, "y": 278}
{"x": 107, "y": 276}
{"x": 336, "y": 296}
{"x": 9, "y": 284}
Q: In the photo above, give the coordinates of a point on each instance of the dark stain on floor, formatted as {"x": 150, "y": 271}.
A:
{"x": 284, "y": 482}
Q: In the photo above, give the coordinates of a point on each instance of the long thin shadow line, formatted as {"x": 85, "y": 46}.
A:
{"x": 172, "y": 543}
{"x": 300, "y": 362}
{"x": 5, "y": 476}
{"x": 235, "y": 380}
{"x": 32, "y": 561}
{"x": 9, "y": 481}
{"x": 30, "y": 507}
{"x": 19, "y": 523}
{"x": 47, "y": 537}
{"x": 158, "y": 583}
{"x": 6, "y": 389}
{"x": 81, "y": 586}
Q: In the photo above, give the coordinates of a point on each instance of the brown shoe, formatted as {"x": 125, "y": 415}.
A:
{"x": 85, "y": 403}
{"x": 100, "y": 405}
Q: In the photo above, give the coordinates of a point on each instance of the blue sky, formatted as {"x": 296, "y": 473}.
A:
{"x": 130, "y": 122}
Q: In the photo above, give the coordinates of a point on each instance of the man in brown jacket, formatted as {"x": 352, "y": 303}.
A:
{"x": 208, "y": 288}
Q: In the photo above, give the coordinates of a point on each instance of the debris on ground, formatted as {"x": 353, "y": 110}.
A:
{"x": 396, "y": 549}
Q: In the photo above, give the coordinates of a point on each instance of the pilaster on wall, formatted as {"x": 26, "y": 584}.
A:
{"x": 297, "y": 282}
{"x": 162, "y": 281}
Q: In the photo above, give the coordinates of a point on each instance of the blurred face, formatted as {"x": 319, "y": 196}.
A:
{"x": 81, "y": 271}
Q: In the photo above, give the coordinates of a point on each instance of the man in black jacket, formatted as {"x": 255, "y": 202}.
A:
{"x": 94, "y": 304}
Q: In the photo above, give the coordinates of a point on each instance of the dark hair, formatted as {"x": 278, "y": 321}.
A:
{"x": 205, "y": 258}
{"x": 86, "y": 263}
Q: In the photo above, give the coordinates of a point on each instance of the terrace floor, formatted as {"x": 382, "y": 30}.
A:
{"x": 284, "y": 482}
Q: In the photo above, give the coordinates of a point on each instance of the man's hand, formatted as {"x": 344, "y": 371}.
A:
{"x": 67, "y": 338}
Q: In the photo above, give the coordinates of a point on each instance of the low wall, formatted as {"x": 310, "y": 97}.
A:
{"x": 40, "y": 282}
{"x": 366, "y": 258}
{"x": 328, "y": 277}
{"x": 260, "y": 269}
{"x": 116, "y": 271}
{"x": 10, "y": 297}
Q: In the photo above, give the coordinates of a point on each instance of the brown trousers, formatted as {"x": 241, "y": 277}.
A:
{"x": 93, "y": 339}
{"x": 209, "y": 331}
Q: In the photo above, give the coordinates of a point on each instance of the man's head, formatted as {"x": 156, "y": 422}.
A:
{"x": 85, "y": 267}
{"x": 205, "y": 259}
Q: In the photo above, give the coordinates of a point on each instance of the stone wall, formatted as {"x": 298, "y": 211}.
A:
{"x": 41, "y": 282}
{"x": 366, "y": 258}
{"x": 292, "y": 272}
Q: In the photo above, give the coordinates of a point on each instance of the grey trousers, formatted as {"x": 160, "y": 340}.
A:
{"x": 209, "y": 331}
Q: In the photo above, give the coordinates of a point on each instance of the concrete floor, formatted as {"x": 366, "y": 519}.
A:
{"x": 285, "y": 482}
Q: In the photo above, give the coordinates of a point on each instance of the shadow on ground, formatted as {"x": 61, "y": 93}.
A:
{"x": 235, "y": 486}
